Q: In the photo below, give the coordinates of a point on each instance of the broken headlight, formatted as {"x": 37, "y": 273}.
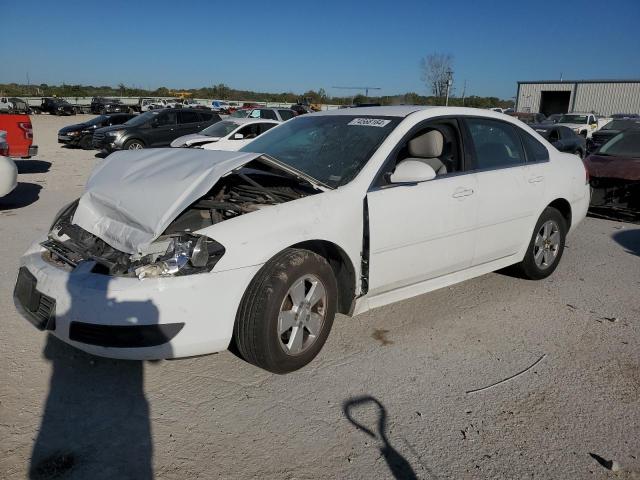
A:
{"x": 186, "y": 254}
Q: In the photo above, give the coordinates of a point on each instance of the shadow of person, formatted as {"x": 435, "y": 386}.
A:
{"x": 398, "y": 465}
{"x": 629, "y": 240}
{"x": 33, "y": 166}
{"x": 95, "y": 423}
{"x": 22, "y": 196}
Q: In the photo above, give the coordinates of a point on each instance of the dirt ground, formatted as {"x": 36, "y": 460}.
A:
{"x": 390, "y": 395}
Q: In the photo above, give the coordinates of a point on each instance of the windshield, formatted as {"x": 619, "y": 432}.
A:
{"x": 220, "y": 129}
{"x": 329, "y": 148}
{"x": 625, "y": 144}
{"x": 573, "y": 119}
{"x": 141, "y": 119}
{"x": 98, "y": 120}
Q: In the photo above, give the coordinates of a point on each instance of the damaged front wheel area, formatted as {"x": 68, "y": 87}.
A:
{"x": 287, "y": 312}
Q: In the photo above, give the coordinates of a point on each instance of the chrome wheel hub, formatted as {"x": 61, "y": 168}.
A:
{"x": 547, "y": 244}
{"x": 302, "y": 315}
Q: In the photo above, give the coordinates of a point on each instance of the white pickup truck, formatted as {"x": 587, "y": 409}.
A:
{"x": 583, "y": 123}
{"x": 6, "y": 105}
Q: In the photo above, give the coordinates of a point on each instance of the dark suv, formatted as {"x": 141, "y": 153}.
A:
{"x": 57, "y": 106}
{"x": 81, "y": 134}
{"x": 107, "y": 105}
{"x": 157, "y": 128}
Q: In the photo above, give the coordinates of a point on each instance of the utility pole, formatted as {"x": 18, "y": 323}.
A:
{"x": 464, "y": 91}
{"x": 449, "y": 82}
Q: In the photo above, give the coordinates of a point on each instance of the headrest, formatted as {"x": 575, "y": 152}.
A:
{"x": 427, "y": 145}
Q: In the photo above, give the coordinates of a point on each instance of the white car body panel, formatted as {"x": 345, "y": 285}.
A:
{"x": 227, "y": 143}
{"x": 8, "y": 176}
{"x": 437, "y": 236}
{"x": 412, "y": 249}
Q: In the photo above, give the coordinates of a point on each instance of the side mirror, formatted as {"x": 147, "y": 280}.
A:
{"x": 238, "y": 136}
{"x": 154, "y": 123}
{"x": 412, "y": 171}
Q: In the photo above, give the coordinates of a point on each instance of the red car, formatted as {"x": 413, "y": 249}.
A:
{"x": 614, "y": 171}
{"x": 19, "y": 135}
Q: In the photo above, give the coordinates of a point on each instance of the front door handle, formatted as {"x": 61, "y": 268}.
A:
{"x": 537, "y": 179}
{"x": 462, "y": 192}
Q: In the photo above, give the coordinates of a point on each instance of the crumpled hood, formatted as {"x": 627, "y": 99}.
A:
{"x": 133, "y": 196}
{"x": 193, "y": 138}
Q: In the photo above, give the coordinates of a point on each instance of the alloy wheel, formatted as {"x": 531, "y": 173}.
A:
{"x": 302, "y": 315}
{"x": 547, "y": 244}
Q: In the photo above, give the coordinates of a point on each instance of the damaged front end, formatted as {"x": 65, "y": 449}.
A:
{"x": 179, "y": 249}
{"x": 615, "y": 197}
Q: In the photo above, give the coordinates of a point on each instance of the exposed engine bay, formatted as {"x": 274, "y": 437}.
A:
{"x": 178, "y": 251}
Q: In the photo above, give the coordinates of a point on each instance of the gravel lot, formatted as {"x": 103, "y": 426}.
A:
{"x": 387, "y": 397}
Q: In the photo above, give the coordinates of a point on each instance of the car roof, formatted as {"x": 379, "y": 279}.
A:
{"x": 390, "y": 111}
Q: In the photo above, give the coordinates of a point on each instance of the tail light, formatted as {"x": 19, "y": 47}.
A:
{"x": 587, "y": 178}
{"x": 27, "y": 129}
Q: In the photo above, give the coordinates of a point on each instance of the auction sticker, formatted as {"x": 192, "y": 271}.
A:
{"x": 369, "y": 122}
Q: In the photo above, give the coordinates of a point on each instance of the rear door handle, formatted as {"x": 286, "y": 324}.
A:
{"x": 536, "y": 179}
{"x": 462, "y": 192}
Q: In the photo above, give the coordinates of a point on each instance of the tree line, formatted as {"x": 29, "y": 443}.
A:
{"x": 224, "y": 92}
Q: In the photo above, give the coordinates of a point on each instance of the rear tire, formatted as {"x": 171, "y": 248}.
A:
{"x": 287, "y": 311}
{"x": 546, "y": 246}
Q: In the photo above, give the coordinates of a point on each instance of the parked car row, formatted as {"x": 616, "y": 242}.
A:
{"x": 81, "y": 134}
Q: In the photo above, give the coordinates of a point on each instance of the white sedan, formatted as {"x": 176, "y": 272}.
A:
{"x": 174, "y": 253}
{"x": 230, "y": 134}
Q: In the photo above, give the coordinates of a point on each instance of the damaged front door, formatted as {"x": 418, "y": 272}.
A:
{"x": 420, "y": 231}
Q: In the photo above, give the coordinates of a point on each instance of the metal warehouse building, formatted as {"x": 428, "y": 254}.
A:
{"x": 604, "y": 97}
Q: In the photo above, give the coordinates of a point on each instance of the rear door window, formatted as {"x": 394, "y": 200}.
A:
{"x": 496, "y": 144}
{"x": 536, "y": 151}
{"x": 268, "y": 114}
{"x": 188, "y": 117}
{"x": 167, "y": 118}
{"x": 286, "y": 114}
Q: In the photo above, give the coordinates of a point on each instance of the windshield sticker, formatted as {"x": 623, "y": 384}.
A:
{"x": 369, "y": 122}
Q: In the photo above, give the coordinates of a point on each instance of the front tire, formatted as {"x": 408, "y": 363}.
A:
{"x": 546, "y": 246}
{"x": 287, "y": 312}
{"x": 133, "y": 145}
{"x": 85, "y": 142}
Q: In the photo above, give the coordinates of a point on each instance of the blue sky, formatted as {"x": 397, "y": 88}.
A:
{"x": 293, "y": 45}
